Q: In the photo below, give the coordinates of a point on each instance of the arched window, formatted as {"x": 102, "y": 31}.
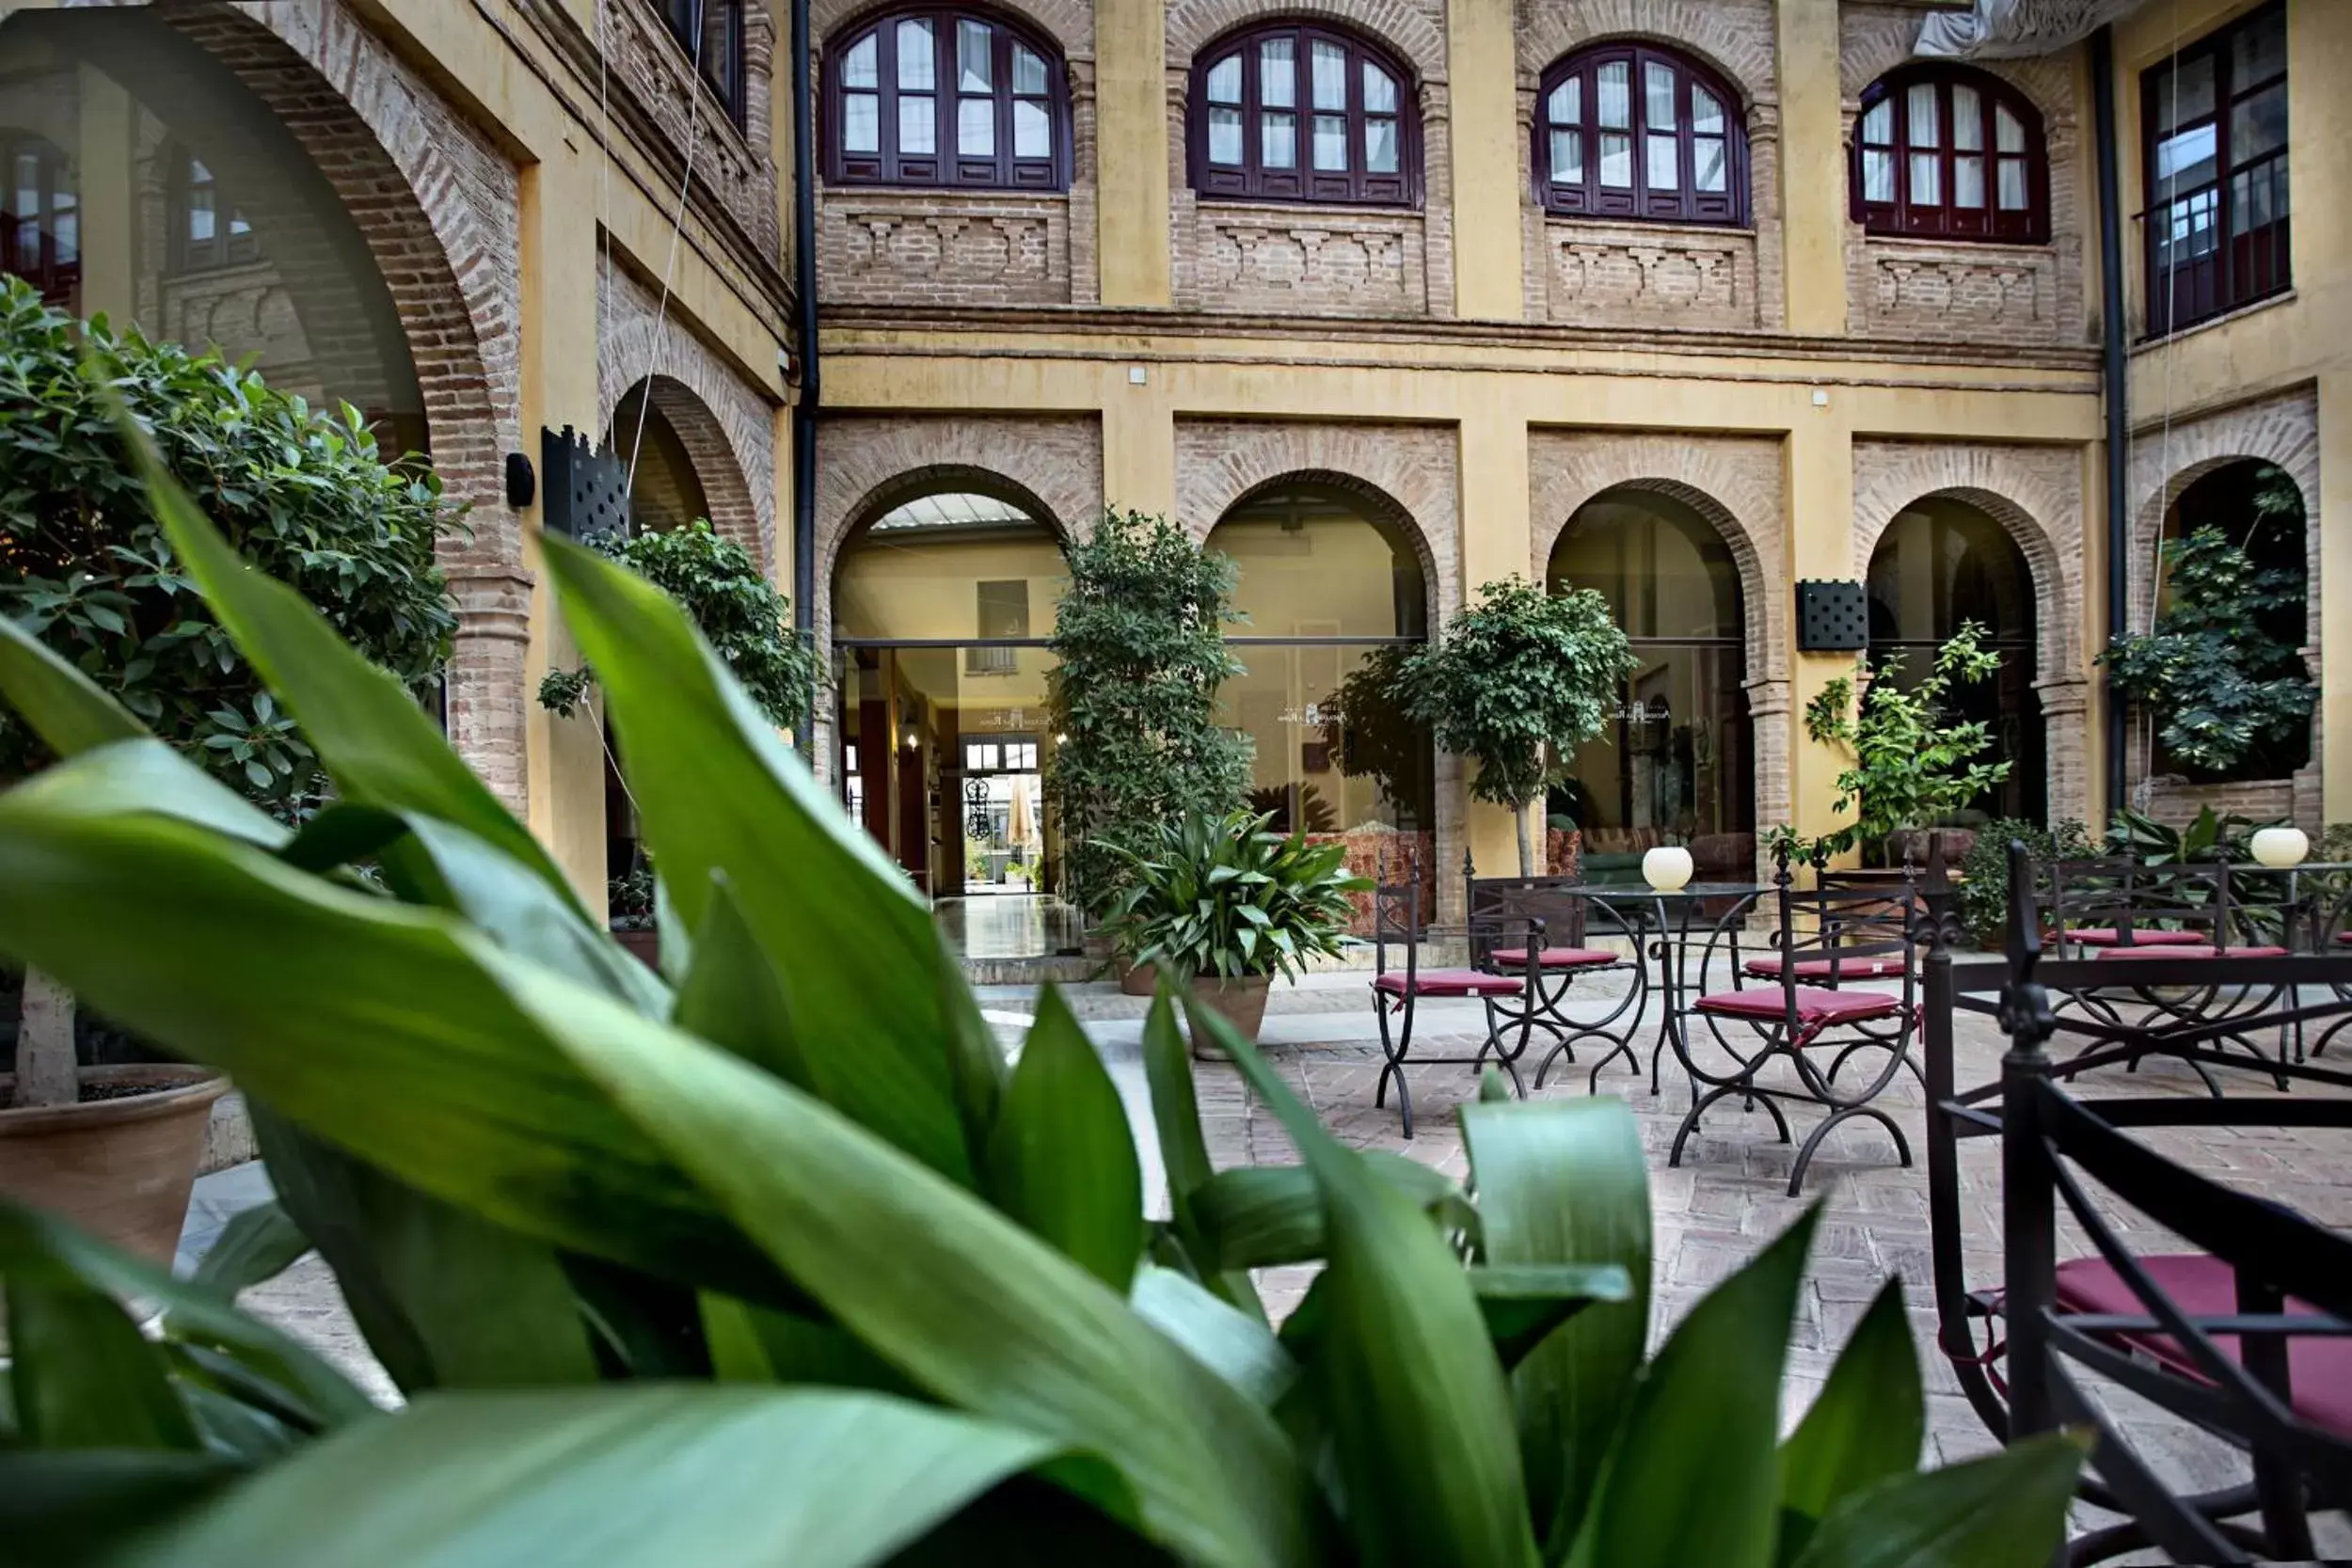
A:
{"x": 1298, "y": 113}
{"x": 207, "y": 229}
{"x": 1626, "y": 130}
{"x": 1951, "y": 153}
{"x": 945, "y": 98}
{"x": 40, "y": 216}
{"x": 712, "y": 33}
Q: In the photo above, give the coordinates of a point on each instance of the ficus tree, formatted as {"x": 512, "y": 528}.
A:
{"x": 302, "y": 494}
{"x": 1140, "y": 651}
{"x": 1516, "y": 682}
{"x": 1913, "y": 763}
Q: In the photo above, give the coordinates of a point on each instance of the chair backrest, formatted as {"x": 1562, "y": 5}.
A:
{"x": 1849, "y": 923}
{"x": 2125, "y": 894}
{"x": 1502, "y": 910}
{"x": 1395, "y": 918}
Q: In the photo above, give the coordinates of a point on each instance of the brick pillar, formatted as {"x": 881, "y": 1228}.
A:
{"x": 2066, "y": 738}
{"x": 759, "y": 69}
{"x": 487, "y": 704}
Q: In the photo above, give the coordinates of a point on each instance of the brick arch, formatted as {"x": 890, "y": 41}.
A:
{"x": 727, "y": 425}
{"x": 1387, "y": 507}
{"x": 2281, "y": 431}
{"x": 1873, "y": 44}
{"x": 1070, "y": 23}
{"x": 1736, "y": 41}
{"x": 1409, "y": 32}
{"x": 436, "y": 205}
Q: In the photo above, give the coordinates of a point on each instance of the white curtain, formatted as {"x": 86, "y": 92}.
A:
{"x": 1997, "y": 29}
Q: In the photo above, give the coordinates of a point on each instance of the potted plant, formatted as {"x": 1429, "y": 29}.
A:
{"x": 1518, "y": 682}
{"x": 1140, "y": 651}
{"x": 87, "y": 575}
{"x": 747, "y": 624}
{"x": 1913, "y": 767}
{"x": 1223, "y": 905}
{"x": 796, "y": 1267}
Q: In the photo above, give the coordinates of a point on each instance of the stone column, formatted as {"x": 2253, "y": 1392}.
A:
{"x": 2066, "y": 737}
{"x": 1812, "y": 166}
{"x": 1481, "y": 61}
{"x": 1132, "y": 143}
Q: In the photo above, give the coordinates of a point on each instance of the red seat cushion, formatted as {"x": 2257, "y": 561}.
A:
{"x": 2107, "y": 935}
{"x": 1450, "y": 982}
{"x": 2319, "y": 1367}
{"x": 1881, "y": 966}
{"x": 2201, "y": 950}
{"x": 1555, "y": 957}
{"x": 1816, "y": 1008}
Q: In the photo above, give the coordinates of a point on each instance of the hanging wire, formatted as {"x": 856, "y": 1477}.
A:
{"x": 668, "y": 265}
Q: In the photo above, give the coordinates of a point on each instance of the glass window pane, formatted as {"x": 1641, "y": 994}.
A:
{"x": 1665, "y": 167}
{"x": 861, "y": 115}
{"x": 916, "y": 63}
{"x": 199, "y": 211}
{"x": 1967, "y": 118}
{"x": 2185, "y": 93}
{"x": 975, "y": 127}
{"x": 1225, "y": 80}
{"x": 2008, "y": 132}
{"x": 2260, "y": 51}
{"x": 1331, "y": 70}
{"x": 1658, "y": 96}
{"x": 859, "y": 67}
{"x": 1032, "y": 131}
{"x": 1028, "y": 70}
{"x": 2013, "y": 192}
{"x": 1332, "y": 142}
{"x": 1277, "y": 139}
{"x": 1920, "y": 116}
{"x": 1878, "y": 175}
{"x": 1616, "y": 160}
{"x": 1707, "y": 112}
{"x": 1878, "y": 126}
{"x": 1709, "y": 169}
{"x": 1927, "y": 188}
{"x": 1277, "y": 74}
{"x": 1380, "y": 145}
{"x": 2258, "y": 125}
{"x": 65, "y": 226}
{"x": 1567, "y": 157}
{"x": 2186, "y": 160}
{"x": 1224, "y": 136}
{"x": 1380, "y": 90}
{"x": 1967, "y": 180}
{"x": 1612, "y": 86}
{"x": 1567, "y": 106}
{"x": 974, "y": 56}
{"x": 918, "y": 124}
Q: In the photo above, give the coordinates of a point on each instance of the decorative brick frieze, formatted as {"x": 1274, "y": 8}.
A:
{"x": 1643, "y": 275}
{"x": 737, "y": 165}
{"x": 1365, "y": 260}
{"x": 944, "y": 247}
{"x": 1987, "y": 293}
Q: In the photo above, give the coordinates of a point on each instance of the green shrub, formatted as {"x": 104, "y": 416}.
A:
{"x": 1139, "y": 650}
{"x": 775, "y": 1259}
{"x": 1984, "y": 870}
{"x": 1912, "y": 767}
{"x": 1222, "y": 895}
{"x": 301, "y": 494}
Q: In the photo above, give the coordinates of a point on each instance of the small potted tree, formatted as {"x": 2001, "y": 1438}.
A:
{"x": 747, "y": 622}
{"x": 87, "y": 577}
{"x": 1914, "y": 766}
{"x": 1518, "y": 681}
{"x": 1224, "y": 906}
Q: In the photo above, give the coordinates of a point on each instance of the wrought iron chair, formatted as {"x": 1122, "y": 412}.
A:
{"x": 1510, "y": 1000}
{"x": 1828, "y": 938}
{"x": 2244, "y": 1336}
{"x": 1498, "y": 904}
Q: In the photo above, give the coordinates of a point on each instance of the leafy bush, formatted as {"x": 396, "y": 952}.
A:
{"x": 1222, "y": 895}
{"x": 1913, "y": 768}
{"x": 2218, "y": 681}
{"x": 1518, "y": 681}
{"x": 2209, "y": 837}
{"x": 1984, "y": 870}
{"x": 301, "y": 494}
{"x": 777, "y": 1261}
{"x": 1139, "y": 649}
{"x": 629, "y": 899}
{"x": 746, "y": 622}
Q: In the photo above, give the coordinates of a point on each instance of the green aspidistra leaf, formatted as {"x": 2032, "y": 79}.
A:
{"x": 1867, "y": 1422}
{"x": 64, "y": 707}
{"x": 2005, "y": 1509}
{"x": 1060, "y": 1159}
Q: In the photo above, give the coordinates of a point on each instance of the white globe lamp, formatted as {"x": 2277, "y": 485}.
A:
{"x": 1667, "y": 868}
{"x": 2280, "y": 847}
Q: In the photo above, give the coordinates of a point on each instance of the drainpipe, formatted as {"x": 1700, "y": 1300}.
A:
{"x": 804, "y": 419}
{"x": 2114, "y": 375}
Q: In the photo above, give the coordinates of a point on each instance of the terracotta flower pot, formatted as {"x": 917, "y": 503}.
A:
{"x": 121, "y": 1169}
{"x": 1240, "y": 1003}
{"x": 1136, "y": 979}
{"x": 646, "y": 944}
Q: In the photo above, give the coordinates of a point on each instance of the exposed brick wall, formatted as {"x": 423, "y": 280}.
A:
{"x": 737, "y": 165}
{"x": 2036, "y": 494}
{"x": 2166, "y": 459}
{"x": 436, "y": 205}
{"x": 1982, "y": 294}
{"x": 1647, "y": 275}
{"x": 727, "y": 426}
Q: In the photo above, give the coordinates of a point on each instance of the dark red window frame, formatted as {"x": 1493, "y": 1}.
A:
{"x": 1580, "y": 193}
{"x": 712, "y": 33}
{"x": 1911, "y": 214}
{"x": 2233, "y": 240}
{"x": 53, "y": 260}
{"x": 944, "y": 165}
{"x": 1251, "y": 179}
